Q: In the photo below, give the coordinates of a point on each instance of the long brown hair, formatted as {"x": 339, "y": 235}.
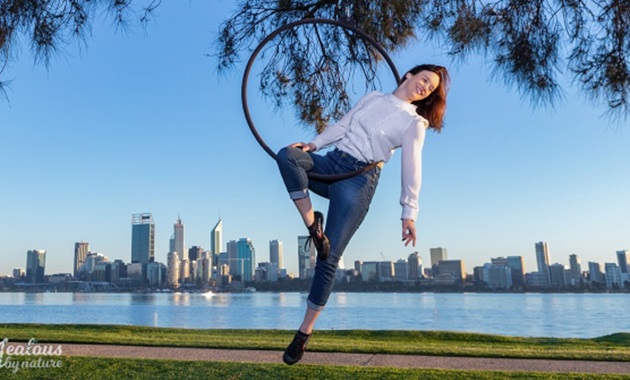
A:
{"x": 433, "y": 107}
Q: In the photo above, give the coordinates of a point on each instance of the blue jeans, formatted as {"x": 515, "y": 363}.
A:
{"x": 349, "y": 203}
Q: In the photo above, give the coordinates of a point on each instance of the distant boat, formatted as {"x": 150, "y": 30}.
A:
{"x": 250, "y": 289}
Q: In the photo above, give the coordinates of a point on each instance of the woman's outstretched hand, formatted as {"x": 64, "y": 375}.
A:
{"x": 306, "y": 147}
{"x": 409, "y": 232}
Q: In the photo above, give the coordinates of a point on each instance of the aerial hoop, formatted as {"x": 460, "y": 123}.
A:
{"x": 250, "y": 122}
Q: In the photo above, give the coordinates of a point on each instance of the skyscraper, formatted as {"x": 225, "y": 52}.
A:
{"x": 575, "y": 266}
{"x": 401, "y": 270}
{"x": 276, "y": 254}
{"x": 232, "y": 254}
{"x": 246, "y": 259}
{"x": 215, "y": 238}
{"x": 622, "y": 260}
{"x": 306, "y": 258}
{"x": 595, "y": 272}
{"x": 80, "y": 254}
{"x": 194, "y": 253}
{"x": 517, "y": 270}
{"x": 415, "y": 266}
{"x": 542, "y": 257}
{"x": 35, "y": 266}
{"x": 556, "y": 275}
{"x": 177, "y": 240}
{"x": 142, "y": 238}
{"x": 613, "y": 275}
{"x": 437, "y": 255}
{"x": 172, "y": 271}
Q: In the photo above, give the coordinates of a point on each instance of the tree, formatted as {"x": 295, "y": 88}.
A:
{"x": 528, "y": 42}
{"x": 50, "y": 25}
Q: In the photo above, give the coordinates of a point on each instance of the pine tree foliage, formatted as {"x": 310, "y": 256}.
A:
{"x": 528, "y": 43}
{"x": 48, "y": 26}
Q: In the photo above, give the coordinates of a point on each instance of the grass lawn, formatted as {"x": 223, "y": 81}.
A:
{"x": 81, "y": 368}
{"x": 613, "y": 347}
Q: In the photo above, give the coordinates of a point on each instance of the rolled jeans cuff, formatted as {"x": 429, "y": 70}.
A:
{"x": 299, "y": 194}
{"x": 311, "y": 305}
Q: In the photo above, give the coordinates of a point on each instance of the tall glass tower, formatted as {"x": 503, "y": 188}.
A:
{"x": 215, "y": 238}
{"x": 542, "y": 257}
{"x": 622, "y": 260}
{"x": 142, "y": 238}
{"x": 575, "y": 264}
{"x": 35, "y": 266}
{"x": 177, "y": 240}
{"x": 81, "y": 250}
{"x": 276, "y": 253}
{"x": 246, "y": 259}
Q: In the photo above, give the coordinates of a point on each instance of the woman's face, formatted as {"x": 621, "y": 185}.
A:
{"x": 419, "y": 86}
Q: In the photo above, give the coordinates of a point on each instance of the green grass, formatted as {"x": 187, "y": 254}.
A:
{"x": 614, "y": 347}
{"x": 81, "y": 368}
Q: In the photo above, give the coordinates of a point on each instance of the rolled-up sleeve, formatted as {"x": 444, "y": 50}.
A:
{"x": 411, "y": 168}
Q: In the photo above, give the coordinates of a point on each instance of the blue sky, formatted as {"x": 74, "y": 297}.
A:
{"x": 141, "y": 122}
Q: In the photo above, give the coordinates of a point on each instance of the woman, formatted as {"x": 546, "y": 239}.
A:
{"x": 377, "y": 125}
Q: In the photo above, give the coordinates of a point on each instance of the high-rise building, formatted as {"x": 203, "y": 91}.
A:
{"x": 385, "y": 270}
{"x": 369, "y": 271}
{"x": 575, "y": 266}
{"x": 454, "y": 267}
{"x": 401, "y": 270}
{"x": 184, "y": 270}
{"x": 276, "y": 254}
{"x": 306, "y": 257}
{"x": 177, "y": 243}
{"x": 517, "y": 269}
{"x": 613, "y": 275}
{"x": 622, "y": 261}
{"x": 92, "y": 260}
{"x": 204, "y": 266}
{"x": 497, "y": 275}
{"x": 172, "y": 271}
{"x": 437, "y": 255}
{"x": 556, "y": 275}
{"x": 81, "y": 250}
{"x": 118, "y": 271}
{"x": 595, "y": 272}
{"x": 18, "y": 272}
{"x": 215, "y": 238}
{"x": 142, "y": 238}
{"x": 35, "y": 266}
{"x": 155, "y": 274}
{"x": 267, "y": 272}
{"x": 232, "y": 256}
{"x": 245, "y": 259}
{"x": 414, "y": 262}
{"x": 194, "y": 253}
{"x": 542, "y": 257}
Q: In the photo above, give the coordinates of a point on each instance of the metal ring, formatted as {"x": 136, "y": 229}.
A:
{"x": 250, "y": 122}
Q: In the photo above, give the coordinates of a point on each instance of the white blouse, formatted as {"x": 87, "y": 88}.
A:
{"x": 377, "y": 125}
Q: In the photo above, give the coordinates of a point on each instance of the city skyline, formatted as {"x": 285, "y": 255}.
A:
{"x": 243, "y": 252}
{"x": 100, "y": 147}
